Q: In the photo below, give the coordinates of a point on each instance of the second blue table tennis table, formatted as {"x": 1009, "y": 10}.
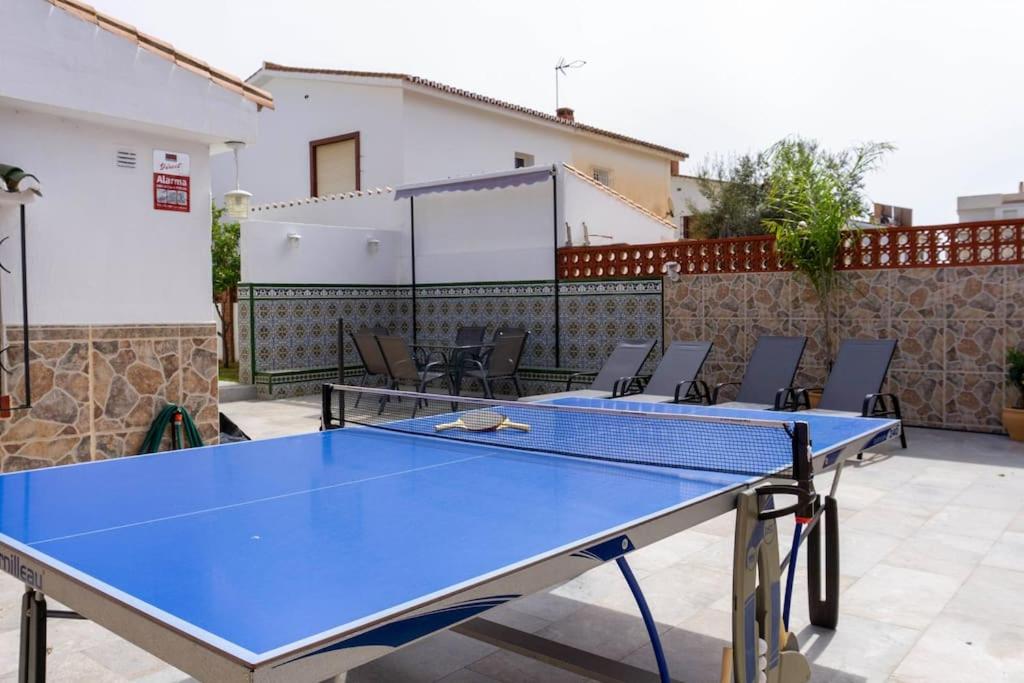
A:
{"x": 301, "y": 557}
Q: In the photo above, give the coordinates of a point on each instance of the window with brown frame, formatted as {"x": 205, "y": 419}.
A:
{"x": 334, "y": 165}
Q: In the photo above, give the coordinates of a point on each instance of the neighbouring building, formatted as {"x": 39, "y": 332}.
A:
{"x": 987, "y": 207}
{"x": 337, "y": 131}
{"x": 118, "y": 127}
{"x": 686, "y": 196}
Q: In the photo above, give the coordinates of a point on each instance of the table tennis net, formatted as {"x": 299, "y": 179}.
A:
{"x": 651, "y": 436}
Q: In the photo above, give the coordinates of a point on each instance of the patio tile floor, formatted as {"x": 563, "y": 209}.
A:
{"x": 932, "y": 585}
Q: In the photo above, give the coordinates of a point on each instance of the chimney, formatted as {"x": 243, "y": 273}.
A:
{"x": 566, "y": 114}
{"x": 674, "y": 167}
{"x": 1020, "y": 187}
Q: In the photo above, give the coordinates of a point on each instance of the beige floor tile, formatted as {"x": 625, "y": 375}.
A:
{"x": 600, "y": 630}
{"x": 887, "y": 520}
{"x": 425, "y": 661}
{"x": 511, "y": 668}
{"x": 1007, "y": 552}
{"x": 949, "y": 554}
{"x": 958, "y": 649}
{"x": 895, "y": 595}
{"x": 969, "y": 521}
{"x": 864, "y": 647}
{"x": 991, "y": 593}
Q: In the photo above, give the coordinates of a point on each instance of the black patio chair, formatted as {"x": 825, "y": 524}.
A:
{"x": 369, "y": 355}
{"x": 675, "y": 378}
{"x": 772, "y": 366}
{"x": 501, "y": 362}
{"x": 508, "y": 329}
{"x": 855, "y": 382}
{"x": 402, "y": 368}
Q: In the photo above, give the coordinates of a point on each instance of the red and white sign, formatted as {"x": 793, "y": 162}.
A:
{"x": 171, "y": 183}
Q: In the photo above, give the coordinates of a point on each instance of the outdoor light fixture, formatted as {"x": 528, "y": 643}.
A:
{"x": 294, "y": 238}
{"x": 671, "y": 270}
{"x": 372, "y": 245}
{"x": 560, "y": 69}
{"x": 237, "y": 200}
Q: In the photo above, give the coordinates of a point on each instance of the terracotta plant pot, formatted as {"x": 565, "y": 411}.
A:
{"x": 814, "y": 396}
{"x": 1013, "y": 421}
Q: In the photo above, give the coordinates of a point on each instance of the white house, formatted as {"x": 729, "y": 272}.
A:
{"x": 337, "y": 131}
{"x": 118, "y": 127}
{"x": 986, "y": 207}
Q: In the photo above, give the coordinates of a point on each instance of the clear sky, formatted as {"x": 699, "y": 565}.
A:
{"x": 942, "y": 80}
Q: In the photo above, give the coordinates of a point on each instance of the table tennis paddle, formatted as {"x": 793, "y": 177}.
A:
{"x": 483, "y": 421}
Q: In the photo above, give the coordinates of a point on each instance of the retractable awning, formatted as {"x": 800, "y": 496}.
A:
{"x": 484, "y": 181}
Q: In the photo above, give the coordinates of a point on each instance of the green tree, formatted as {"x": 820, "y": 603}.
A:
{"x": 227, "y": 271}
{"x": 814, "y": 195}
{"x": 736, "y": 192}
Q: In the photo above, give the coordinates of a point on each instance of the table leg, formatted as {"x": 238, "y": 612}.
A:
{"x": 32, "y": 659}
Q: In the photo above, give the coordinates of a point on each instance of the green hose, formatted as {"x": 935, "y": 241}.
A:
{"x": 179, "y": 419}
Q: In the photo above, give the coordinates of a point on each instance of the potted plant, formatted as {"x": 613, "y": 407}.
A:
{"x": 1013, "y": 417}
{"x": 814, "y": 197}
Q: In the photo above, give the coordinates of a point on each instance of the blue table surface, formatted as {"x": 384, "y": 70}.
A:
{"x": 265, "y": 543}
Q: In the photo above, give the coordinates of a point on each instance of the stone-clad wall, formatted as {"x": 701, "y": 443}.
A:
{"x": 96, "y": 389}
{"x": 953, "y": 326}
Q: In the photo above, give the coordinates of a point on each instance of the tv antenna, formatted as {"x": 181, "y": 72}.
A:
{"x": 560, "y": 69}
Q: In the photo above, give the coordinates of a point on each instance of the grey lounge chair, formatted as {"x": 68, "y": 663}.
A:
{"x": 622, "y": 366}
{"x": 370, "y": 356}
{"x": 772, "y": 366}
{"x": 500, "y": 362}
{"x": 675, "y": 378}
{"x": 855, "y": 382}
{"x": 402, "y": 368}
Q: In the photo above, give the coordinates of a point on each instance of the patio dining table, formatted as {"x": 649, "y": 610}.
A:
{"x": 453, "y": 355}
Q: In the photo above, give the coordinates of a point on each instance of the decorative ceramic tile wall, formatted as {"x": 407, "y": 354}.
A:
{"x": 96, "y": 389}
{"x": 288, "y": 334}
{"x": 595, "y": 316}
{"x": 294, "y": 328}
{"x": 953, "y": 325}
{"x": 442, "y": 309}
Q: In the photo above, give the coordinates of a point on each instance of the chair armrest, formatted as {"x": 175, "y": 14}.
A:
{"x": 631, "y": 384}
{"x": 429, "y": 367}
{"x": 477, "y": 364}
{"x": 718, "y": 388}
{"x": 791, "y": 398}
{"x": 576, "y": 377}
{"x": 700, "y": 385}
{"x": 871, "y": 401}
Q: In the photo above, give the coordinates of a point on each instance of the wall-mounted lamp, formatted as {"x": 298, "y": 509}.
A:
{"x": 671, "y": 270}
{"x": 372, "y": 245}
{"x": 237, "y": 200}
{"x": 294, "y": 238}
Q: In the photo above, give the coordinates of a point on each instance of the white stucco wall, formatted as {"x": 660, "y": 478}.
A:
{"x": 54, "y": 61}
{"x": 986, "y": 207}
{"x": 409, "y": 134}
{"x": 486, "y": 236}
{"x": 609, "y": 220}
{"x": 685, "y": 190}
{"x": 324, "y": 254}
{"x": 276, "y": 167}
{"x": 98, "y": 251}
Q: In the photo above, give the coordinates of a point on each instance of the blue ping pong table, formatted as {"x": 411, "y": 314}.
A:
{"x": 301, "y": 557}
